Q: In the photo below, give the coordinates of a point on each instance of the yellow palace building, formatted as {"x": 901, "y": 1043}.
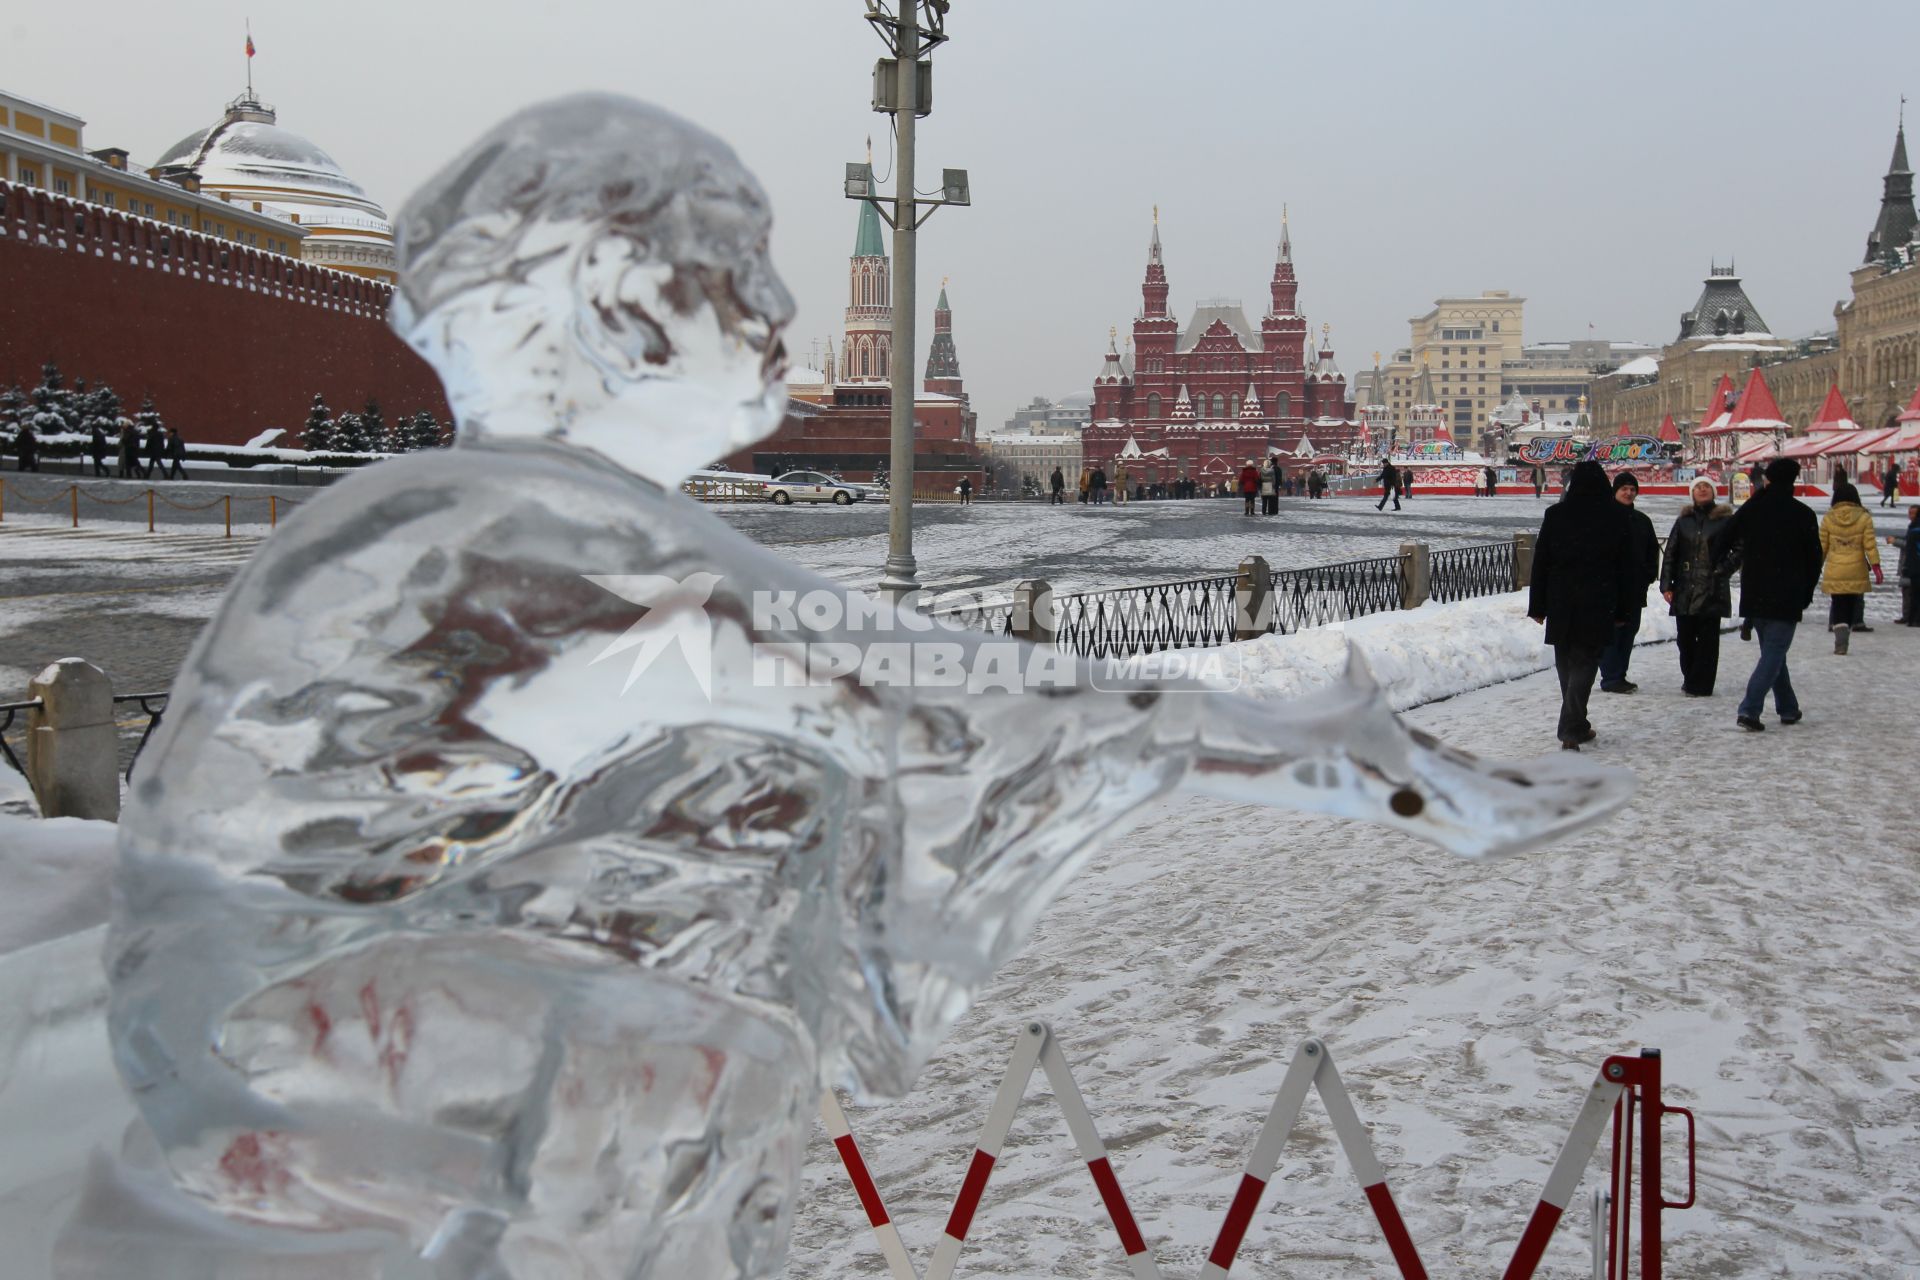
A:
{"x": 243, "y": 178}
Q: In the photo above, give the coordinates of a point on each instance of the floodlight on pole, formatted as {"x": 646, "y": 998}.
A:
{"x": 859, "y": 180}
{"x": 953, "y": 187}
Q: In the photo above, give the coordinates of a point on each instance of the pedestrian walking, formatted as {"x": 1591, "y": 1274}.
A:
{"x": 1849, "y": 547}
{"x": 1099, "y": 486}
{"x": 1585, "y": 584}
{"x": 1643, "y": 568}
{"x": 1758, "y": 476}
{"x": 1493, "y": 482}
{"x": 1406, "y": 485}
{"x": 156, "y": 451}
{"x": 98, "y": 449}
{"x": 1249, "y": 481}
{"x": 1389, "y": 485}
{"x": 1539, "y": 482}
{"x": 1086, "y": 485}
{"x": 130, "y": 453}
{"x": 26, "y": 448}
{"x": 1910, "y": 570}
{"x": 1890, "y": 485}
{"x": 966, "y": 491}
{"x": 1270, "y": 488}
{"x": 1120, "y": 489}
{"x": 176, "y": 454}
{"x": 1698, "y": 593}
{"x": 1057, "y": 486}
{"x": 1774, "y": 538}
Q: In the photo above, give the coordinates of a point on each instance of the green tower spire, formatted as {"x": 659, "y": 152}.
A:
{"x": 868, "y": 244}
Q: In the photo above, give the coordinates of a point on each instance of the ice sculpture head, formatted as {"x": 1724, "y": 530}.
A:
{"x": 594, "y": 270}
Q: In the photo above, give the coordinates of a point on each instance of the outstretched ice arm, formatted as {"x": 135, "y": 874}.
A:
{"x": 1344, "y": 752}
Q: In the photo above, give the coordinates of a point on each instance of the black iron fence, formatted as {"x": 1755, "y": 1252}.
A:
{"x": 1199, "y": 612}
{"x": 134, "y": 729}
{"x": 1462, "y": 573}
{"x": 1327, "y": 593}
{"x": 1189, "y": 614}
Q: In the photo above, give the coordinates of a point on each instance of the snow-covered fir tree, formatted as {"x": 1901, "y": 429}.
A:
{"x": 318, "y": 435}
{"x": 53, "y": 408}
{"x": 422, "y": 431}
{"x": 147, "y": 417}
{"x": 374, "y": 426}
{"x": 350, "y": 433}
{"x": 13, "y": 409}
{"x": 101, "y": 409}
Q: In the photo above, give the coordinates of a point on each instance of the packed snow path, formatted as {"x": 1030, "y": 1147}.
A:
{"x": 1754, "y": 914}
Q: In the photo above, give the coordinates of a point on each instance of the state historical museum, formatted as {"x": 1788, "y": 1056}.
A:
{"x": 1198, "y": 401}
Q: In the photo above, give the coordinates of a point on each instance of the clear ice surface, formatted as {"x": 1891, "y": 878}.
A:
{"x": 431, "y": 927}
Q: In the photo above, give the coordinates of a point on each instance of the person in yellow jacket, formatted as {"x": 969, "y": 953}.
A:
{"x": 1086, "y": 482}
{"x": 1847, "y": 541}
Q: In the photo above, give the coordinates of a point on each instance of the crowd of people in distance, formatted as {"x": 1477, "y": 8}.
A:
{"x": 1597, "y": 555}
{"x": 165, "y": 452}
{"x": 1254, "y": 483}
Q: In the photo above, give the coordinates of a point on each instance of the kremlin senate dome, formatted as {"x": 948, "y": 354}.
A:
{"x": 246, "y": 157}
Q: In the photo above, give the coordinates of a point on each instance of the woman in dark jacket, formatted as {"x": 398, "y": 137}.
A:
{"x": 1697, "y": 595}
{"x": 129, "y": 453}
{"x": 1584, "y": 585}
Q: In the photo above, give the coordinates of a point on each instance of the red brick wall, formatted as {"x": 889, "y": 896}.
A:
{"x": 227, "y": 340}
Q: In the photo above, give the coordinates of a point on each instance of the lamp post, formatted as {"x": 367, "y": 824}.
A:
{"x": 903, "y": 88}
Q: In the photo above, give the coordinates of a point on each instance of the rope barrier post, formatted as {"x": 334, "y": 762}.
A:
{"x": 227, "y": 501}
{"x": 273, "y": 511}
{"x": 149, "y": 511}
{"x": 899, "y": 1265}
{"x": 3, "y": 500}
{"x": 73, "y": 501}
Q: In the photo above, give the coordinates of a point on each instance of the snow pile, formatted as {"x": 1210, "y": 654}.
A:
{"x": 1419, "y": 655}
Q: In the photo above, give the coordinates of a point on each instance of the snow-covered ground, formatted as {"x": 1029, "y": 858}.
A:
{"x": 1753, "y": 914}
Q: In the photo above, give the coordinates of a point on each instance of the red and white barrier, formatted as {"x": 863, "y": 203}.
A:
{"x": 1312, "y": 1068}
{"x": 1627, "y": 1090}
{"x": 884, "y": 1231}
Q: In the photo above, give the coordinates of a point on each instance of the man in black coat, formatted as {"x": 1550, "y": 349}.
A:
{"x": 156, "y": 452}
{"x": 1775, "y": 538}
{"x": 1057, "y": 486}
{"x": 1585, "y": 583}
{"x": 1643, "y": 566}
{"x": 129, "y": 453}
{"x": 98, "y": 449}
{"x": 1389, "y": 485}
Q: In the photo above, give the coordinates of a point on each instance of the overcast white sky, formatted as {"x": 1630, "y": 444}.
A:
{"x": 1590, "y": 157}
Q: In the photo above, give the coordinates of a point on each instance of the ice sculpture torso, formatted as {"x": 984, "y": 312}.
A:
{"x": 414, "y": 859}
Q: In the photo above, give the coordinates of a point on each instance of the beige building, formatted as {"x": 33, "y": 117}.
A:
{"x": 1474, "y": 351}
{"x": 41, "y": 146}
{"x": 1873, "y": 352}
{"x": 1013, "y": 460}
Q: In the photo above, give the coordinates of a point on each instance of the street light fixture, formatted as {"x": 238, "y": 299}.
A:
{"x": 906, "y": 98}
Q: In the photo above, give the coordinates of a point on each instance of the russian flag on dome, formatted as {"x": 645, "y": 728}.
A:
{"x": 249, "y": 44}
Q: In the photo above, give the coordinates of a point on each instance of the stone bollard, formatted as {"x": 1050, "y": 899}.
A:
{"x": 1419, "y": 574}
{"x": 72, "y": 743}
{"x": 1033, "y": 615}
{"x": 1523, "y": 560}
{"x": 1252, "y": 599}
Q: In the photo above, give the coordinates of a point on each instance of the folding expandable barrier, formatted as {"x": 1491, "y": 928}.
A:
{"x": 1627, "y": 1090}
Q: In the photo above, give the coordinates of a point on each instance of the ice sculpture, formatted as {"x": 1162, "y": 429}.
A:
{"x": 432, "y": 924}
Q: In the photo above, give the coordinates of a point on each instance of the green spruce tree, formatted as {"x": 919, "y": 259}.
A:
{"x": 350, "y": 433}
{"x": 317, "y": 434}
{"x": 375, "y": 427}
